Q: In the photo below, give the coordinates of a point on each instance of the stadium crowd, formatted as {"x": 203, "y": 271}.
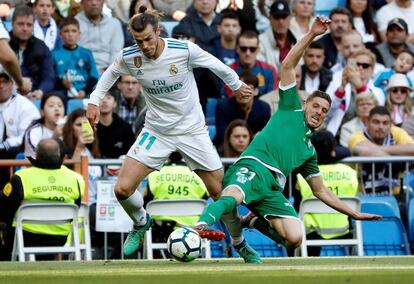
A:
{"x": 365, "y": 62}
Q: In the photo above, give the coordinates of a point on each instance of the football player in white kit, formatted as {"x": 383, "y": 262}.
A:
{"x": 174, "y": 120}
{"x": 9, "y": 62}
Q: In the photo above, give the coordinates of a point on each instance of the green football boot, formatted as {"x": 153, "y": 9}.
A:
{"x": 136, "y": 237}
{"x": 248, "y": 253}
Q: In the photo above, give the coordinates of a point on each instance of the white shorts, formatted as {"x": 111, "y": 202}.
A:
{"x": 153, "y": 149}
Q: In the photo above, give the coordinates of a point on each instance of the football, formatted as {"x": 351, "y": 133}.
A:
{"x": 184, "y": 244}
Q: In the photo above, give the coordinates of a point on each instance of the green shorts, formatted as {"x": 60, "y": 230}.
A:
{"x": 262, "y": 193}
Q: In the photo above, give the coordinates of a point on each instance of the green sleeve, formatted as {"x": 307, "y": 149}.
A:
{"x": 289, "y": 99}
{"x": 310, "y": 167}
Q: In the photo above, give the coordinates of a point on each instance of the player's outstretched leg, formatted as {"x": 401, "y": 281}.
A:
{"x": 136, "y": 237}
{"x": 247, "y": 253}
{"x": 251, "y": 221}
{"x": 212, "y": 214}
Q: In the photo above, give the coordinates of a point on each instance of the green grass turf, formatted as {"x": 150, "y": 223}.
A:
{"x": 366, "y": 270}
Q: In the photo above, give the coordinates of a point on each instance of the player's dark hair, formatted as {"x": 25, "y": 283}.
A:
{"x": 145, "y": 17}
{"x": 249, "y": 78}
{"x": 68, "y": 21}
{"x": 316, "y": 45}
{"x": 319, "y": 94}
{"x": 248, "y": 34}
{"x": 22, "y": 10}
{"x": 228, "y": 14}
{"x": 381, "y": 110}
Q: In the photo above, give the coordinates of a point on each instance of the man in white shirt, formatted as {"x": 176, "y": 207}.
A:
{"x": 403, "y": 9}
{"x": 174, "y": 119}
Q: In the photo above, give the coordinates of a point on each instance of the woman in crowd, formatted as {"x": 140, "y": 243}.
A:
{"x": 52, "y": 109}
{"x": 364, "y": 102}
{"x": 399, "y": 101}
{"x": 237, "y": 137}
{"x": 363, "y": 19}
{"x": 302, "y": 11}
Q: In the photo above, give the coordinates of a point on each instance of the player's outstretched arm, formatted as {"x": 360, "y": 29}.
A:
{"x": 326, "y": 196}
{"x": 287, "y": 74}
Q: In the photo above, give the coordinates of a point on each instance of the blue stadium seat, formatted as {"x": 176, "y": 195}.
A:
{"x": 211, "y": 131}
{"x": 211, "y": 111}
{"x": 324, "y": 7}
{"x": 36, "y": 102}
{"x": 410, "y": 220}
{"x": 390, "y": 200}
{"x": 386, "y": 236}
{"x": 263, "y": 245}
{"x": 334, "y": 251}
{"x": 74, "y": 104}
{"x": 169, "y": 26}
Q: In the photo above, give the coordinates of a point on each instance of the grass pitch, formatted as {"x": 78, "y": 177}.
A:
{"x": 366, "y": 270}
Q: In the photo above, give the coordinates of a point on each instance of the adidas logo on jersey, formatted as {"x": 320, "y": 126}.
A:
{"x": 139, "y": 72}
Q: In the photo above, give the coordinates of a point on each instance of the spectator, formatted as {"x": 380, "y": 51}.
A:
{"x": 16, "y": 114}
{"x": 248, "y": 49}
{"x": 364, "y": 102}
{"x": 356, "y": 78}
{"x": 8, "y": 61}
{"x": 49, "y": 125}
{"x": 115, "y": 136}
{"x": 341, "y": 23}
{"x": 34, "y": 56}
{"x": 403, "y": 9}
{"x": 173, "y": 9}
{"x": 249, "y": 108}
{"x": 100, "y": 33}
{"x": 201, "y": 21}
{"x": 351, "y": 43}
{"x": 381, "y": 139}
{"x": 229, "y": 29}
{"x": 47, "y": 172}
{"x": 399, "y": 101}
{"x": 341, "y": 179}
{"x": 314, "y": 75}
{"x": 237, "y": 137}
{"x": 303, "y": 17}
{"x": 131, "y": 105}
{"x": 403, "y": 64}
{"x": 363, "y": 20}
{"x": 74, "y": 65}
{"x": 244, "y": 10}
{"x": 45, "y": 27}
{"x": 261, "y": 9}
{"x": 173, "y": 181}
{"x": 394, "y": 43}
{"x": 121, "y": 8}
{"x": 276, "y": 42}
{"x": 77, "y": 142}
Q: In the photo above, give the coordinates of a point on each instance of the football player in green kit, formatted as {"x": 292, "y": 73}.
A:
{"x": 259, "y": 175}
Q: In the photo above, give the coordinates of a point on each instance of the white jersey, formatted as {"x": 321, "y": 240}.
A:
{"x": 168, "y": 84}
{"x": 3, "y": 32}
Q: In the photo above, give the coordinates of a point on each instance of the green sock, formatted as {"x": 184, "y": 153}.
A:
{"x": 263, "y": 226}
{"x": 215, "y": 210}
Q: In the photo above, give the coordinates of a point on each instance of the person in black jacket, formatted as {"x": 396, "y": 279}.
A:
{"x": 115, "y": 135}
{"x": 314, "y": 75}
{"x": 33, "y": 54}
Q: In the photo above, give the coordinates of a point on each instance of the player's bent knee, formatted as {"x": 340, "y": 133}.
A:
{"x": 122, "y": 192}
{"x": 294, "y": 240}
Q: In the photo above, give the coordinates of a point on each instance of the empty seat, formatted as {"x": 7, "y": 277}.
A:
{"x": 211, "y": 111}
{"x": 73, "y": 104}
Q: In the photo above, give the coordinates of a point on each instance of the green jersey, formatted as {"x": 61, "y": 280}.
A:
{"x": 284, "y": 144}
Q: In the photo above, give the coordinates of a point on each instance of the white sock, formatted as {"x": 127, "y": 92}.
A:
{"x": 134, "y": 207}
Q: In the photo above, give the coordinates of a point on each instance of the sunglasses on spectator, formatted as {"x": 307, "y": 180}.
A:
{"x": 403, "y": 91}
{"x": 363, "y": 65}
{"x": 251, "y": 48}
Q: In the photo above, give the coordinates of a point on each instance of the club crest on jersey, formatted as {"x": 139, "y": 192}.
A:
{"x": 137, "y": 61}
{"x": 173, "y": 69}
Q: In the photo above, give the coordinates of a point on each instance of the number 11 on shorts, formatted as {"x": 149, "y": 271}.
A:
{"x": 144, "y": 137}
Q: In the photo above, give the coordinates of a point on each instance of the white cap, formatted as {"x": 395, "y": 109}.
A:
{"x": 398, "y": 80}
